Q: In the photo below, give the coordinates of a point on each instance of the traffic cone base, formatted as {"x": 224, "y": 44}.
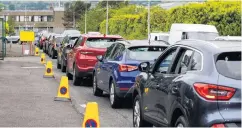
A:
{"x": 63, "y": 90}
{"x": 91, "y": 117}
{"x": 48, "y": 70}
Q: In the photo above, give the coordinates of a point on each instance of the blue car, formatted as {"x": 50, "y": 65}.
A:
{"x": 115, "y": 72}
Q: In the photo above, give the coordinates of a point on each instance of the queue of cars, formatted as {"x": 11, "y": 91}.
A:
{"x": 190, "y": 83}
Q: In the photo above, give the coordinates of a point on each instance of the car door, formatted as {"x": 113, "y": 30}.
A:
{"x": 101, "y": 67}
{"x": 112, "y": 64}
{"x": 151, "y": 95}
{"x": 72, "y": 54}
{"x": 167, "y": 88}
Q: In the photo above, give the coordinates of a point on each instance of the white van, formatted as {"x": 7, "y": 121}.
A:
{"x": 192, "y": 31}
{"x": 159, "y": 36}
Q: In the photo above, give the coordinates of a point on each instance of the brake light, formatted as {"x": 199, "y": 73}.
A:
{"x": 127, "y": 68}
{"x": 214, "y": 92}
{"x": 218, "y": 126}
{"x": 85, "y": 53}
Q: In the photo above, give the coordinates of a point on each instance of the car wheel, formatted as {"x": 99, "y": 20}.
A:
{"x": 68, "y": 74}
{"x": 58, "y": 64}
{"x": 138, "y": 120}
{"x": 115, "y": 101}
{"x": 52, "y": 54}
{"x": 181, "y": 122}
{"x": 96, "y": 90}
{"x": 63, "y": 67}
{"x": 76, "y": 79}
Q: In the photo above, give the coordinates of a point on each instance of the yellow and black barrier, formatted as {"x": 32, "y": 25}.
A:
{"x": 42, "y": 58}
{"x": 49, "y": 70}
{"x": 91, "y": 117}
{"x": 63, "y": 91}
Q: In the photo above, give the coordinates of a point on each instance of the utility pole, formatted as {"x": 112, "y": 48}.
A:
{"x": 74, "y": 19}
{"x": 148, "y": 21}
{"x": 25, "y": 18}
{"x": 107, "y": 20}
{"x": 85, "y": 18}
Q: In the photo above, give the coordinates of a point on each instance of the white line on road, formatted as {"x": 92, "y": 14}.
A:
{"x": 32, "y": 67}
{"x": 83, "y": 105}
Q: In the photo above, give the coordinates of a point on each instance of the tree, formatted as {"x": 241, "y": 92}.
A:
{"x": 11, "y": 7}
{"x": 11, "y": 24}
{"x": 76, "y": 9}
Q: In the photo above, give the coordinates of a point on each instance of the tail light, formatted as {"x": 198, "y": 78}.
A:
{"x": 127, "y": 68}
{"x": 85, "y": 53}
{"x": 218, "y": 126}
{"x": 214, "y": 92}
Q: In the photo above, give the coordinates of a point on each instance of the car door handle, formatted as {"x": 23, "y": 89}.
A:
{"x": 174, "y": 89}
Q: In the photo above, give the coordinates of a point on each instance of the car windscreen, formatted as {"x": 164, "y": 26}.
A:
{"x": 100, "y": 42}
{"x": 202, "y": 35}
{"x": 59, "y": 39}
{"x": 145, "y": 53}
{"x": 228, "y": 64}
{"x": 73, "y": 38}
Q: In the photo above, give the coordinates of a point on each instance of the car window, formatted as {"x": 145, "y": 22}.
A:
{"x": 196, "y": 63}
{"x": 109, "y": 51}
{"x": 78, "y": 42}
{"x": 164, "y": 63}
{"x": 118, "y": 52}
{"x": 184, "y": 60}
{"x": 228, "y": 64}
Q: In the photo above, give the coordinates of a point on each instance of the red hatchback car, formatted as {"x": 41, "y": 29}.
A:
{"x": 82, "y": 57}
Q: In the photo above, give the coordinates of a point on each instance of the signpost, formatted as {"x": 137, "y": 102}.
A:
{"x": 27, "y": 37}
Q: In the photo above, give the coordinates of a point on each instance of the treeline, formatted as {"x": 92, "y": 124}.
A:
{"x": 130, "y": 21}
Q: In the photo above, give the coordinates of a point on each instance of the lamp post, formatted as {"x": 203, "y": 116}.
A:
{"x": 148, "y": 21}
{"x": 107, "y": 20}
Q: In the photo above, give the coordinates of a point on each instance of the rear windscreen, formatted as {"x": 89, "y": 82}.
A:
{"x": 145, "y": 52}
{"x": 100, "y": 42}
{"x": 229, "y": 64}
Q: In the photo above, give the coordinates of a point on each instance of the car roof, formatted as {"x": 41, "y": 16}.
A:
{"x": 214, "y": 46}
{"x": 101, "y": 36}
{"x": 136, "y": 43}
{"x": 73, "y": 35}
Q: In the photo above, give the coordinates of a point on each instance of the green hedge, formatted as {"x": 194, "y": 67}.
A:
{"x": 131, "y": 21}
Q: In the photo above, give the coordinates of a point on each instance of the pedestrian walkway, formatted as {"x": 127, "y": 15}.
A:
{"x": 27, "y": 99}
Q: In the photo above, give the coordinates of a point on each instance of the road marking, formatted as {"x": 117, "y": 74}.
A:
{"x": 32, "y": 67}
{"x": 83, "y": 105}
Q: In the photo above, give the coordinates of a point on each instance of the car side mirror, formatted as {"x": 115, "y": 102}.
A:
{"x": 144, "y": 66}
{"x": 100, "y": 58}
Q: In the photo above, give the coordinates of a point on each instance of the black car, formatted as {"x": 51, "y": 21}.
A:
{"x": 192, "y": 84}
{"x": 63, "y": 49}
{"x": 52, "y": 49}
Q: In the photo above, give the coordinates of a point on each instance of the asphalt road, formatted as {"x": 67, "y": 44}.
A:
{"x": 27, "y": 98}
{"x": 108, "y": 116}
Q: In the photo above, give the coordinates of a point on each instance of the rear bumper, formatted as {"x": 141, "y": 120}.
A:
{"x": 85, "y": 72}
{"x": 123, "y": 89}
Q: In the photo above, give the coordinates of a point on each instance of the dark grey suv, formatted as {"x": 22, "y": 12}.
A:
{"x": 192, "y": 84}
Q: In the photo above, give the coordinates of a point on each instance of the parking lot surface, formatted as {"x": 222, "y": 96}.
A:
{"x": 28, "y": 98}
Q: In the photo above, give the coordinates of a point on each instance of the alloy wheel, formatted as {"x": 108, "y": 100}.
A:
{"x": 179, "y": 125}
{"x": 94, "y": 84}
{"x": 136, "y": 114}
{"x": 111, "y": 95}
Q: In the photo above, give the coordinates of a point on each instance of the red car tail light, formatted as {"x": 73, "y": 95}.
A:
{"x": 127, "y": 68}
{"x": 214, "y": 92}
{"x": 218, "y": 126}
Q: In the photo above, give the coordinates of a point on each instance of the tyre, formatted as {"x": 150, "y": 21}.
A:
{"x": 181, "y": 122}
{"x": 68, "y": 74}
{"x": 115, "y": 101}
{"x": 63, "y": 67}
{"x": 138, "y": 119}
{"x": 52, "y": 54}
{"x": 96, "y": 90}
{"x": 76, "y": 79}
{"x": 57, "y": 64}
